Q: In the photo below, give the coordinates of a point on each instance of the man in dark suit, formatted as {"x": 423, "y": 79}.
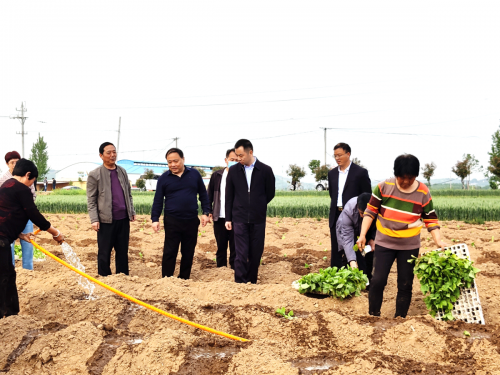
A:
{"x": 250, "y": 186}
{"x": 217, "y": 201}
{"x": 345, "y": 181}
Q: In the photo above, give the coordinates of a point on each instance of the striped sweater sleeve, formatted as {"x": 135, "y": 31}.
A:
{"x": 429, "y": 215}
{"x": 373, "y": 207}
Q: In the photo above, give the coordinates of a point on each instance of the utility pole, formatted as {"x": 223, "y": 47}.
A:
{"x": 325, "y": 129}
{"x": 119, "y": 126}
{"x": 22, "y": 119}
{"x": 175, "y": 139}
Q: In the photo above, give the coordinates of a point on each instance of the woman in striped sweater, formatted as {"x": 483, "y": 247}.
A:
{"x": 401, "y": 206}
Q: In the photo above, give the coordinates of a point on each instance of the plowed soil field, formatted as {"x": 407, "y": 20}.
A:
{"x": 59, "y": 331}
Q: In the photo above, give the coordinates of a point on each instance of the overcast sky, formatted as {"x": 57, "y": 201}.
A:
{"x": 211, "y": 72}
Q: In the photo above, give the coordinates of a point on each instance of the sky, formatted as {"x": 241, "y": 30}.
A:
{"x": 387, "y": 77}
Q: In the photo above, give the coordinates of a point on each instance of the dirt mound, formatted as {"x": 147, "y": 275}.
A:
{"x": 59, "y": 331}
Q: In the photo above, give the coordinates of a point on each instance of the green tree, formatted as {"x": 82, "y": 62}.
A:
{"x": 202, "y": 171}
{"x": 40, "y": 157}
{"x": 140, "y": 183}
{"x": 296, "y": 173}
{"x": 218, "y": 168}
{"x": 428, "y": 171}
{"x": 149, "y": 174}
{"x": 494, "y": 167}
{"x": 465, "y": 167}
{"x": 321, "y": 173}
{"x": 358, "y": 162}
{"x": 313, "y": 165}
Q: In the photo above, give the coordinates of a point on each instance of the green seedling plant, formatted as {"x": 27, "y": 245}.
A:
{"x": 466, "y": 333}
{"x": 37, "y": 254}
{"x": 442, "y": 274}
{"x": 140, "y": 254}
{"x": 307, "y": 265}
{"x": 339, "y": 283}
{"x": 283, "y": 313}
{"x": 283, "y": 237}
{"x": 473, "y": 244}
{"x": 325, "y": 258}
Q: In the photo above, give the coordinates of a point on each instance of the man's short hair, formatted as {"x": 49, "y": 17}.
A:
{"x": 406, "y": 165}
{"x": 24, "y": 166}
{"x": 343, "y": 146}
{"x": 174, "y": 150}
{"x": 363, "y": 200}
{"x": 247, "y": 145}
{"x": 228, "y": 152}
{"x": 103, "y": 146}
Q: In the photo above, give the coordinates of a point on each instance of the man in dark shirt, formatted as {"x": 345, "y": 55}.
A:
{"x": 111, "y": 209}
{"x": 53, "y": 184}
{"x": 16, "y": 208}
{"x": 250, "y": 186}
{"x": 179, "y": 187}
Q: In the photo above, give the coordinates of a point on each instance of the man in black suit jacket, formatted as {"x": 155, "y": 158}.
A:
{"x": 345, "y": 181}
{"x": 250, "y": 186}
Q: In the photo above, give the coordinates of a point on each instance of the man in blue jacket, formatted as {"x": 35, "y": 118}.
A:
{"x": 250, "y": 186}
{"x": 179, "y": 187}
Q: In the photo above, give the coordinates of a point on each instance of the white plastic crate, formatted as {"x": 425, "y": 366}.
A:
{"x": 467, "y": 307}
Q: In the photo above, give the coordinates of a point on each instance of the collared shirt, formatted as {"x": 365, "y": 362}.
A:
{"x": 223, "y": 194}
{"x": 7, "y": 176}
{"x": 342, "y": 180}
{"x": 248, "y": 172}
{"x": 180, "y": 195}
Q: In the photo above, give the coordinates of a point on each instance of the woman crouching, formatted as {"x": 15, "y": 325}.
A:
{"x": 16, "y": 208}
{"x": 401, "y": 205}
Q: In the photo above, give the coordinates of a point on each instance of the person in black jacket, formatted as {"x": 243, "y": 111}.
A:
{"x": 346, "y": 181}
{"x": 217, "y": 199}
{"x": 250, "y": 187}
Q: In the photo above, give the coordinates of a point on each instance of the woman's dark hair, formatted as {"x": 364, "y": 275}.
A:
{"x": 228, "y": 152}
{"x": 101, "y": 147}
{"x": 175, "y": 150}
{"x": 343, "y": 146}
{"x": 24, "y": 166}
{"x": 247, "y": 145}
{"x": 406, "y": 165}
{"x": 363, "y": 200}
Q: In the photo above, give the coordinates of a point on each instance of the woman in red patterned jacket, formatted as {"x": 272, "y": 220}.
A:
{"x": 401, "y": 206}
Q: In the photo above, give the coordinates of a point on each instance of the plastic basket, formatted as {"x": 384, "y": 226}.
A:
{"x": 467, "y": 307}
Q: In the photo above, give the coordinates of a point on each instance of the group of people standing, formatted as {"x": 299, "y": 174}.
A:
{"x": 384, "y": 223}
{"x": 236, "y": 202}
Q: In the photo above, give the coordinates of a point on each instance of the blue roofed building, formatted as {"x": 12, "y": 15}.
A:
{"x": 135, "y": 169}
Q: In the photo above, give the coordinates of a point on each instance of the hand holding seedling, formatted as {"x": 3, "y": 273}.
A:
{"x": 353, "y": 264}
{"x": 436, "y": 236}
{"x": 156, "y": 226}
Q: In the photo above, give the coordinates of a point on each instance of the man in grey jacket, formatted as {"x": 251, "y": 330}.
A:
{"x": 348, "y": 229}
{"x": 111, "y": 209}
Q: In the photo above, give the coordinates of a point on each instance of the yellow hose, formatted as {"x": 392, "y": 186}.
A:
{"x": 130, "y": 298}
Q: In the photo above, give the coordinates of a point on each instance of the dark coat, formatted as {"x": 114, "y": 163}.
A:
{"x": 358, "y": 182}
{"x": 243, "y": 206}
{"x": 214, "y": 193}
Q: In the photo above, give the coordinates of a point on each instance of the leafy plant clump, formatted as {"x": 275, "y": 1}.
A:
{"x": 282, "y": 312}
{"x": 37, "y": 254}
{"x": 340, "y": 283}
{"x": 442, "y": 274}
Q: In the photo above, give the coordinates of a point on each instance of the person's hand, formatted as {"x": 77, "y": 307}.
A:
{"x": 361, "y": 242}
{"x": 210, "y": 218}
{"x": 96, "y": 226}
{"x": 353, "y": 264}
{"x": 442, "y": 244}
{"x": 372, "y": 244}
{"x": 59, "y": 239}
{"x": 229, "y": 225}
{"x": 156, "y": 226}
{"x": 133, "y": 218}
{"x": 204, "y": 220}
{"x": 26, "y": 236}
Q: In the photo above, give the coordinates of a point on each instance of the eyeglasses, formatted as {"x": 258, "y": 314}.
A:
{"x": 338, "y": 156}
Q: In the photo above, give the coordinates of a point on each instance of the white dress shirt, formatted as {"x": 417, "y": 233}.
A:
{"x": 248, "y": 172}
{"x": 222, "y": 213}
{"x": 342, "y": 180}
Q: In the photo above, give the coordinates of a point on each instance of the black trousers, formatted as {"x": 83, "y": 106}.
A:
{"x": 184, "y": 233}
{"x": 9, "y": 300}
{"x": 249, "y": 244}
{"x": 115, "y": 235}
{"x": 223, "y": 237}
{"x": 383, "y": 258}
{"x": 338, "y": 258}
